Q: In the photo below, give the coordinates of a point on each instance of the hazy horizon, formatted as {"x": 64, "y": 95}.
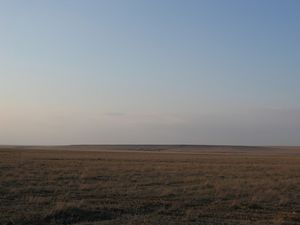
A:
{"x": 150, "y": 72}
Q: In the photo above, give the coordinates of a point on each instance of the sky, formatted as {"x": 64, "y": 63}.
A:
{"x": 150, "y": 72}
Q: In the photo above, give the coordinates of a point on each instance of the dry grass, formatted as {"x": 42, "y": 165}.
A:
{"x": 197, "y": 187}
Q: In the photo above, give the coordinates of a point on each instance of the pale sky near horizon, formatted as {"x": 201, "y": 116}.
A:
{"x": 150, "y": 72}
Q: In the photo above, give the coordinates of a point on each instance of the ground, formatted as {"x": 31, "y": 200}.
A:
{"x": 111, "y": 185}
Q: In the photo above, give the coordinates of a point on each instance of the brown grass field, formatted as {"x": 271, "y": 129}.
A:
{"x": 167, "y": 185}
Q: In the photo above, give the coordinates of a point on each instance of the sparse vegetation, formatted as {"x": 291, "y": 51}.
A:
{"x": 211, "y": 186}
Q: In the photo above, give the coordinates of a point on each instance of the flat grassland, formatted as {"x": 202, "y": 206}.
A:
{"x": 164, "y": 185}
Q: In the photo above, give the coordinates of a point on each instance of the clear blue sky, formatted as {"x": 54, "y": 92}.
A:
{"x": 152, "y": 72}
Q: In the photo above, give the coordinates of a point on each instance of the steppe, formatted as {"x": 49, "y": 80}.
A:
{"x": 149, "y": 184}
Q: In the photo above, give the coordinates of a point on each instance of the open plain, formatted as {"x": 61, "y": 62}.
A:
{"x": 89, "y": 185}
